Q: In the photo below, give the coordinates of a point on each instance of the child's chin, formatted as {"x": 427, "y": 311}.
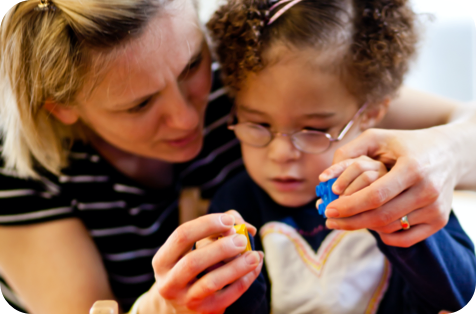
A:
{"x": 291, "y": 200}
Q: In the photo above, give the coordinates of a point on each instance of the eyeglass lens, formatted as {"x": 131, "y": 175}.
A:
{"x": 253, "y": 134}
{"x": 258, "y": 136}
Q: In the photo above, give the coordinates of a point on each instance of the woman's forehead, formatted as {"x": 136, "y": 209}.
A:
{"x": 145, "y": 64}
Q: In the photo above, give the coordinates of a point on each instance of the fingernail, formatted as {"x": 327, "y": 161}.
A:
{"x": 227, "y": 220}
{"x": 336, "y": 189}
{"x": 332, "y": 213}
{"x": 240, "y": 240}
{"x": 318, "y": 202}
{"x": 324, "y": 177}
{"x": 252, "y": 258}
{"x": 331, "y": 224}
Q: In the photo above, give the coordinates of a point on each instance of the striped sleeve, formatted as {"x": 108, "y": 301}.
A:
{"x": 25, "y": 201}
{"x": 220, "y": 158}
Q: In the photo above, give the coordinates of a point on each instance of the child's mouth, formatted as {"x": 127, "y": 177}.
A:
{"x": 287, "y": 184}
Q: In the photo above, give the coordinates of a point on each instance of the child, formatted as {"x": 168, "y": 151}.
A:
{"x": 308, "y": 76}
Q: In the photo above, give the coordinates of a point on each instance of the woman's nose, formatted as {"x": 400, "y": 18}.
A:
{"x": 282, "y": 150}
{"x": 180, "y": 113}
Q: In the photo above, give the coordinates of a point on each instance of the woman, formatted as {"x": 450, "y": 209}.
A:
{"x": 81, "y": 220}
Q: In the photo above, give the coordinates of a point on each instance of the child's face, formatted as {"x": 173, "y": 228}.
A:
{"x": 288, "y": 96}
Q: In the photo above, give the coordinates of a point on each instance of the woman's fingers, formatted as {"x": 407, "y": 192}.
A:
{"x": 239, "y": 220}
{"x": 388, "y": 213}
{"x": 183, "y": 238}
{"x": 409, "y": 237}
{"x": 426, "y": 220}
{"x": 204, "y": 242}
{"x": 198, "y": 261}
{"x": 400, "y": 178}
{"x": 225, "y": 275}
{"x": 206, "y": 293}
{"x": 416, "y": 217}
{"x": 413, "y": 218}
{"x": 176, "y": 266}
{"x": 423, "y": 222}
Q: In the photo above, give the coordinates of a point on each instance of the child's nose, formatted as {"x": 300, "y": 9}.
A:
{"x": 282, "y": 150}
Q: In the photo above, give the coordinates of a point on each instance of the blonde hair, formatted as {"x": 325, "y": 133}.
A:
{"x": 49, "y": 55}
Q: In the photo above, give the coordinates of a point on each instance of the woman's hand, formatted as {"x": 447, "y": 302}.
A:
{"x": 352, "y": 176}
{"x": 177, "y": 289}
{"x": 238, "y": 221}
{"x": 207, "y": 241}
{"x": 420, "y": 185}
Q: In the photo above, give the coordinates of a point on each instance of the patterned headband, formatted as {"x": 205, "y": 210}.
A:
{"x": 45, "y": 5}
{"x": 283, "y": 10}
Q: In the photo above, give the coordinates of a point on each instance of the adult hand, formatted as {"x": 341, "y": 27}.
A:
{"x": 419, "y": 184}
{"x": 177, "y": 289}
{"x": 238, "y": 221}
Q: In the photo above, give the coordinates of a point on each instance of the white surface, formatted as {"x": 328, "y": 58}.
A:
{"x": 447, "y": 56}
{"x": 464, "y": 205}
{"x": 207, "y": 7}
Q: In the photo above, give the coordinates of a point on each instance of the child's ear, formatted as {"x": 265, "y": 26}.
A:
{"x": 67, "y": 115}
{"x": 374, "y": 114}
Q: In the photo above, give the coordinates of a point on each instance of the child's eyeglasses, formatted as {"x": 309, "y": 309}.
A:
{"x": 307, "y": 141}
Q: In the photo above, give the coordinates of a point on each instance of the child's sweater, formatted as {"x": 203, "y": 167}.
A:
{"x": 316, "y": 270}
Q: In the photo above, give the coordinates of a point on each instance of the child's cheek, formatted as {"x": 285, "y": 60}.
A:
{"x": 316, "y": 164}
{"x": 255, "y": 162}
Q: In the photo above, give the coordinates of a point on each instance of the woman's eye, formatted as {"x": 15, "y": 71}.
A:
{"x": 196, "y": 63}
{"x": 192, "y": 68}
{"x": 139, "y": 107}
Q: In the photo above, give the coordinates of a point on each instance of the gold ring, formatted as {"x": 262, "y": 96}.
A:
{"x": 404, "y": 222}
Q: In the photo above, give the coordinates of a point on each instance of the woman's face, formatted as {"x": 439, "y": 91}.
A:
{"x": 152, "y": 100}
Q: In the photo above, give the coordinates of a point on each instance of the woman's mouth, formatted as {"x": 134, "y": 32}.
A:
{"x": 287, "y": 184}
{"x": 184, "y": 141}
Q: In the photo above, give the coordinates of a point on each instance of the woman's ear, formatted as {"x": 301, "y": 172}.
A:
{"x": 67, "y": 115}
{"x": 374, "y": 114}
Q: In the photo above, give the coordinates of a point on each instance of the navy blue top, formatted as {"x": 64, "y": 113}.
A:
{"x": 436, "y": 274}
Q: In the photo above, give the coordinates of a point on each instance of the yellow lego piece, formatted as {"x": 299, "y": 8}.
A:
{"x": 241, "y": 229}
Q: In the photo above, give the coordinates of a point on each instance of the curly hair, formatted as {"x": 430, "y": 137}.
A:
{"x": 378, "y": 38}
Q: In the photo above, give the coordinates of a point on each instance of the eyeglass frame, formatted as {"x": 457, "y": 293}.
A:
{"x": 339, "y": 137}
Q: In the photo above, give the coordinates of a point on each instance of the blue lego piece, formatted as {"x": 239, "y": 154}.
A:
{"x": 324, "y": 191}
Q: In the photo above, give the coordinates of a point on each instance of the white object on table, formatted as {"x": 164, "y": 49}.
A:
{"x": 105, "y": 307}
{"x": 464, "y": 206}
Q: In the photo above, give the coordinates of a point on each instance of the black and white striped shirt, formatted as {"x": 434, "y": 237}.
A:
{"x": 127, "y": 222}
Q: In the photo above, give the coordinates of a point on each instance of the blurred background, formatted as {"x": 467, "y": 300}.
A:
{"x": 446, "y": 66}
{"x": 447, "y": 58}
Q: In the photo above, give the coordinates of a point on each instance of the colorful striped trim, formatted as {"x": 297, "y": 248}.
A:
{"x": 381, "y": 289}
{"x": 314, "y": 261}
